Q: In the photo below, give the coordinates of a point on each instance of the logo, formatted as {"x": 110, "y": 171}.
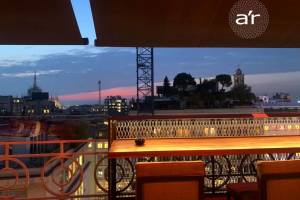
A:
{"x": 248, "y": 19}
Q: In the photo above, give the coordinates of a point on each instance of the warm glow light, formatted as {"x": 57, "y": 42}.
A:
{"x": 73, "y": 168}
{"x": 80, "y": 190}
{"x": 99, "y": 145}
{"x": 80, "y": 160}
{"x": 220, "y": 182}
{"x": 206, "y": 131}
{"x": 260, "y": 115}
{"x": 266, "y": 128}
{"x": 46, "y": 111}
{"x": 212, "y": 131}
{"x": 106, "y": 145}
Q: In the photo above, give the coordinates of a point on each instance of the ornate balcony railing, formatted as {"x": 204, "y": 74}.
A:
{"x": 220, "y": 170}
{"x": 62, "y": 169}
{"x": 204, "y": 126}
{"x": 78, "y": 169}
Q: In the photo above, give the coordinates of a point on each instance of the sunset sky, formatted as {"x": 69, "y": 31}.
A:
{"x": 72, "y": 72}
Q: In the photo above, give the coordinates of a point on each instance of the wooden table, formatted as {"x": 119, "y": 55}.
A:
{"x": 205, "y": 146}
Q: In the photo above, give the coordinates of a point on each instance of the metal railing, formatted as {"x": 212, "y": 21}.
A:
{"x": 198, "y": 126}
{"x": 220, "y": 170}
{"x": 76, "y": 169}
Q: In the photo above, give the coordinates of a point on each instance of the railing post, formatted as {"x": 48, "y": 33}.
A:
{"x": 7, "y": 152}
{"x": 213, "y": 184}
{"x": 112, "y": 179}
{"x": 112, "y": 163}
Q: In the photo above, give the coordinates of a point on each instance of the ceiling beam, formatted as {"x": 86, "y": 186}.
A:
{"x": 39, "y": 22}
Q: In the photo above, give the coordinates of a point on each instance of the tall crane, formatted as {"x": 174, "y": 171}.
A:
{"x": 145, "y": 77}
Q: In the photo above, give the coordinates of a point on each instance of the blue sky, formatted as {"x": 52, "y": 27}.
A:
{"x": 67, "y": 70}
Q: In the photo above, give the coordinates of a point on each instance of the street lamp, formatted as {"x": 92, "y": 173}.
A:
{"x": 99, "y": 84}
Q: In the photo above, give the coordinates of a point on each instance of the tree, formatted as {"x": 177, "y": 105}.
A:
{"x": 207, "y": 91}
{"x": 242, "y": 94}
{"x": 183, "y": 80}
{"x": 166, "y": 87}
{"x": 208, "y": 86}
{"x": 224, "y": 80}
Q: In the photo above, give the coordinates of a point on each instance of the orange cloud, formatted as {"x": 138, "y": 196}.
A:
{"x": 126, "y": 92}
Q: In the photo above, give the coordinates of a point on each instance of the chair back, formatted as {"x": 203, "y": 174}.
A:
{"x": 170, "y": 180}
{"x": 279, "y": 180}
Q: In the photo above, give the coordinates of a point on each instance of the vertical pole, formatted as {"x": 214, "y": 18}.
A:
{"x": 137, "y": 81}
{"x": 112, "y": 179}
{"x": 112, "y": 163}
{"x": 152, "y": 82}
{"x": 7, "y": 152}
{"x": 99, "y": 84}
{"x": 213, "y": 175}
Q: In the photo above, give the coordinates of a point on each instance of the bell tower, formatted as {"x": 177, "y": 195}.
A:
{"x": 239, "y": 78}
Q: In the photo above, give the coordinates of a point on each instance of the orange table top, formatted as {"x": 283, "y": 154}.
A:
{"x": 205, "y": 146}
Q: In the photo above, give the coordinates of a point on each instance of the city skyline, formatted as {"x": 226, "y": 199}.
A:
{"x": 262, "y": 84}
{"x": 72, "y": 72}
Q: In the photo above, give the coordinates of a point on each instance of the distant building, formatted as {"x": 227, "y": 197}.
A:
{"x": 264, "y": 99}
{"x": 6, "y": 105}
{"x": 84, "y": 109}
{"x": 36, "y": 102}
{"x": 238, "y": 78}
{"x": 277, "y": 98}
{"x": 278, "y": 102}
{"x": 160, "y": 90}
{"x": 281, "y": 97}
{"x": 168, "y": 103}
{"x": 57, "y": 103}
{"x": 38, "y": 107}
{"x": 187, "y": 88}
{"x": 115, "y": 105}
{"x": 18, "y": 104}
